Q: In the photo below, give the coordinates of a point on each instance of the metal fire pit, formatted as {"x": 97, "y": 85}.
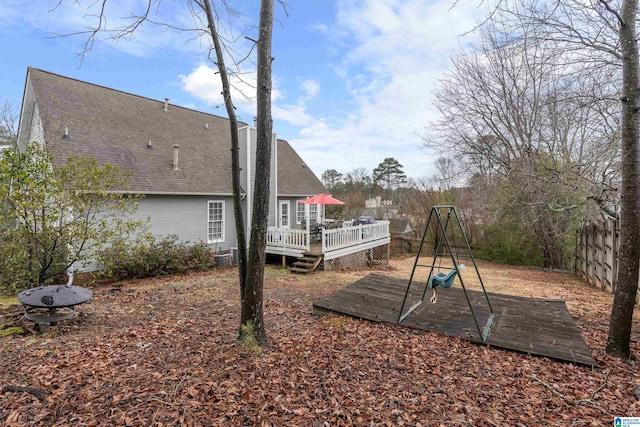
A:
{"x": 50, "y": 304}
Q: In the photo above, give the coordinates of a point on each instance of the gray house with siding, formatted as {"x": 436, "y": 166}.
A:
{"x": 180, "y": 158}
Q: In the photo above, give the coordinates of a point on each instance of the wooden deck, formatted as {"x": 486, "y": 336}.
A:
{"x": 526, "y": 325}
{"x": 330, "y": 242}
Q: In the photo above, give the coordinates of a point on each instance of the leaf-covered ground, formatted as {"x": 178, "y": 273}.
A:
{"x": 163, "y": 352}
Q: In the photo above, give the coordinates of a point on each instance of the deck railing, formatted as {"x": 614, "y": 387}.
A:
{"x": 338, "y": 238}
{"x": 287, "y": 238}
{"x": 332, "y": 239}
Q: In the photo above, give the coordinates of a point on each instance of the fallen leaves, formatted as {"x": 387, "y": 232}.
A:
{"x": 164, "y": 353}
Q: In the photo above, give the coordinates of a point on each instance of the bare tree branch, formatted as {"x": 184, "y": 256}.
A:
{"x": 613, "y": 12}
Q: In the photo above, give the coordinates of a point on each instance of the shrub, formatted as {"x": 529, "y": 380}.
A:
{"x": 51, "y": 217}
{"x": 13, "y": 258}
{"x": 21, "y": 261}
{"x": 148, "y": 257}
{"x": 508, "y": 247}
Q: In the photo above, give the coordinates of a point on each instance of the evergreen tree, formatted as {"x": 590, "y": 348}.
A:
{"x": 390, "y": 173}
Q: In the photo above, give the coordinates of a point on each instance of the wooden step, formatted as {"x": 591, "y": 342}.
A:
{"x": 306, "y": 264}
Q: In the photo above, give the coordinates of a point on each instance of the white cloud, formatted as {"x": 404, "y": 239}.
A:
{"x": 204, "y": 84}
{"x": 387, "y": 56}
{"x": 311, "y": 88}
{"x": 294, "y": 114}
{"x": 393, "y": 53}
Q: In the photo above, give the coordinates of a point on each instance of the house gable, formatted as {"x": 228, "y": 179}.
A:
{"x": 295, "y": 178}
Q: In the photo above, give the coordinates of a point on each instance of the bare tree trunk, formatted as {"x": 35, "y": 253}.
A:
{"x": 252, "y": 313}
{"x": 235, "y": 148}
{"x": 618, "y": 342}
{"x": 251, "y": 268}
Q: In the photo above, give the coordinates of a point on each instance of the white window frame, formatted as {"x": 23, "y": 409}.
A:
{"x": 210, "y": 221}
{"x": 306, "y": 211}
{"x": 313, "y": 211}
{"x": 299, "y": 219}
{"x": 281, "y": 223}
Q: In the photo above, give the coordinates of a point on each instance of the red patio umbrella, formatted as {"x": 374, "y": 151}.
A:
{"x": 322, "y": 199}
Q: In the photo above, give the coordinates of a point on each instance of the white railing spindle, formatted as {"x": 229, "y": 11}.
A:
{"x": 287, "y": 238}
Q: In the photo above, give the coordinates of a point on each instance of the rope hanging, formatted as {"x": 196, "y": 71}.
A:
{"x": 441, "y": 279}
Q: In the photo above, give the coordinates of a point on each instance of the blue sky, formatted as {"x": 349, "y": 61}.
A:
{"x": 353, "y": 80}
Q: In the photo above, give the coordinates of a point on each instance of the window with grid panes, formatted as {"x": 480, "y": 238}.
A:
{"x": 215, "y": 225}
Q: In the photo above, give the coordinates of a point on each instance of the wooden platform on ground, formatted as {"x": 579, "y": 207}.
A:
{"x": 527, "y": 325}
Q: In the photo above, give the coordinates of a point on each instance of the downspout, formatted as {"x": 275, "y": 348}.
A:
{"x": 274, "y": 173}
{"x": 249, "y": 187}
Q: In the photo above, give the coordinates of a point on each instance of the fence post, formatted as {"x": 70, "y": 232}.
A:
{"x": 582, "y": 252}
{"x": 583, "y": 266}
{"x": 577, "y": 265}
{"x": 594, "y": 238}
{"x": 587, "y": 253}
{"x": 603, "y": 259}
{"x": 614, "y": 255}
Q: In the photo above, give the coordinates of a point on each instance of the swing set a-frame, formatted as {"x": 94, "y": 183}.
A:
{"x": 527, "y": 325}
{"x": 449, "y": 234}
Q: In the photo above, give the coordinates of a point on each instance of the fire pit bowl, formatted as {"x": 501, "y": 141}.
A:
{"x": 47, "y": 304}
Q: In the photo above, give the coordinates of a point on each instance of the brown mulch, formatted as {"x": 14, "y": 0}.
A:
{"x": 163, "y": 352}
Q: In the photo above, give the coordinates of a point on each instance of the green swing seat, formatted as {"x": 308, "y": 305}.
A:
{"x": 444, "y": 280}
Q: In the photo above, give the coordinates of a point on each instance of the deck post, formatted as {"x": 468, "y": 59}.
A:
{"x": 308, "y": 226}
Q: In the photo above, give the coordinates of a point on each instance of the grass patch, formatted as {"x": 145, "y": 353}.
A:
{"x": 10, "y": 331}
{"x": 248, "y": 337}
{"x": 7, "y": 300}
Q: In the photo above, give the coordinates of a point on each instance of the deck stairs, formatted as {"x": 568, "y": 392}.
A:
{"x": 306, "y": 264}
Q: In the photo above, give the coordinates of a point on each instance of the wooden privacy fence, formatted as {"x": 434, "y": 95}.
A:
{"x": 409, "y": 246}
{"x": 597, "y": 254}
{"x": 403, "y": 245}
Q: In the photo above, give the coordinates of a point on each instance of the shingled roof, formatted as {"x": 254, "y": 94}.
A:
{"x": 138, "y": 134}
{"x": 295, "y": 179}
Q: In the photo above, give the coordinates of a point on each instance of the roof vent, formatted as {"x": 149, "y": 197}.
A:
{"x": 66, "y": 133}
{"x": 166, "y": 104}
{"x": 149, "y": 145}
{"x": 206, "y": 125}
{"x": 175, "y": 157}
